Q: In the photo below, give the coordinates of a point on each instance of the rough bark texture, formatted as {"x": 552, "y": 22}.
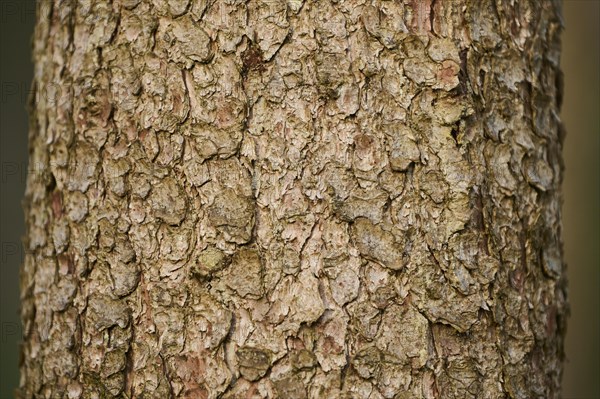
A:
{"x": 301, "y": 199}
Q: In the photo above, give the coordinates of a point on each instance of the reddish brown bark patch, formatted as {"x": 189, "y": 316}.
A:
{"x": 421, "y": 20}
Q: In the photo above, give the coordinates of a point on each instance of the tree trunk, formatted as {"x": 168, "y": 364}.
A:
{"x": 301, "y": 199}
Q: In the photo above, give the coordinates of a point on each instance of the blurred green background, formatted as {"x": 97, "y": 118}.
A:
{"x": 581, "y": 219}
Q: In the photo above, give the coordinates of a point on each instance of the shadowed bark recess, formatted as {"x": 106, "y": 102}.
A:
{"x": 294, "y": 199}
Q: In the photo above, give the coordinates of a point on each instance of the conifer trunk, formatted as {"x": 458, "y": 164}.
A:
{"x": 301, "y": 199}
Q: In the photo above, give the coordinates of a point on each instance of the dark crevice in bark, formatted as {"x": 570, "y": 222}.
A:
{"x": 432, "y": 16}
{"x": 454, "y": 133}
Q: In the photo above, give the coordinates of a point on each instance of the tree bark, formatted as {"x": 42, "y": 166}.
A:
{"x": 301, "y": 199}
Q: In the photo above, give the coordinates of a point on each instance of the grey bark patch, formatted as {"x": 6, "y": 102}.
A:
{"x": 233, "y": 215}
{"x": 210, "y": 323}
{"x": 83, "y": 167}
{"x": 552, "y": 261}
{"x": 245, "y": 274}
{"x": 175, "y": 242}
{"x": 404, "y": 334}
{"x": 460, "y": 380}
{"x": 62, "y": 294}
{"x": 60, "y": 236}
{"x": 367, "y": 162}
{"x": 291, "y": 387}
{"x": 105, "y": 312}
{"x": 538, "y": 173}
{"x": 367, "y": 362}
{"x": 365, "y": 318}
{"x": 76, "y": 205}
{"x": 269, "y": 23}
{"x": 375, "y": 243}
{"x": 168, "y": 201}
{"x": 164, "y": 103}
{"x": 403, "y": 149}
{"x": 125, "y": 277}
{"x": 210, "y": 261}
{"x": 362, "y": 203}
{"x": 434, "y": 185}
{"x": 303, "y": 360}
{"x": 184, "y": 41}
{"x": 254, "y": 362}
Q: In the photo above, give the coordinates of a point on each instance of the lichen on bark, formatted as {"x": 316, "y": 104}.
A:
{"x": 295, "y": 199}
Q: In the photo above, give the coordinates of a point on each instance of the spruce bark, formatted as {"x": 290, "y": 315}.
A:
{"x": 294, "y": 199}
